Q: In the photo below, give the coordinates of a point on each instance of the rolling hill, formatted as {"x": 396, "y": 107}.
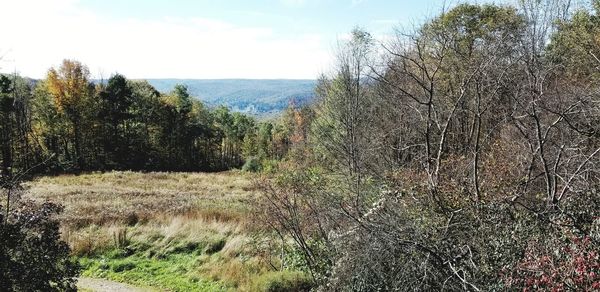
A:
{"x": 260, "y": 97}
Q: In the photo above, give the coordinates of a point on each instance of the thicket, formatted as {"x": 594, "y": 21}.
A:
{"x": 463, "y": 155}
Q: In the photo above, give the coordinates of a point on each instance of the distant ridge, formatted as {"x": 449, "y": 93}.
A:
{"x": 259, "y": 97}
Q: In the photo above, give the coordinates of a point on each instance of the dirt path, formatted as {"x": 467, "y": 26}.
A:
{"x": 102, "y": 285}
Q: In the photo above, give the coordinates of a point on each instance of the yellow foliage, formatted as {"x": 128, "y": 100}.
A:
{"x": 68, "y": 85}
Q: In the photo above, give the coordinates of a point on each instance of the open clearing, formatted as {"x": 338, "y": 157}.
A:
{"x": 169, "y": 231}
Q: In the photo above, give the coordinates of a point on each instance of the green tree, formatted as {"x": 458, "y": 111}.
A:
{"x": 145, "y": 128}
{"x": 114, "y": 112}
{"x": 576, "y": 44}
{"x": 264, "y": 140}
{"x": 6, "y": 126}
{"x": 183, "y": 101}
{"x": 250, "y": 145}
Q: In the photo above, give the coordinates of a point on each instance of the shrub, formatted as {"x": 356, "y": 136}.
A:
{"x": 269, "y": 166}
{"x": 252, "y": 165}
{"x": 32, "y": 256}
{"x": 576, "y": 266}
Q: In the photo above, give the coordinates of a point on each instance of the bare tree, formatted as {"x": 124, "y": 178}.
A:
{"x": 344, "y": 129}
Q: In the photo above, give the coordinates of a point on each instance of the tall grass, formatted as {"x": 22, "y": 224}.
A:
{"x": 135, "y": 227}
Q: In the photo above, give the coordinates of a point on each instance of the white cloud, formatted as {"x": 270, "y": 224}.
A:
{"x": 171, "y": 47}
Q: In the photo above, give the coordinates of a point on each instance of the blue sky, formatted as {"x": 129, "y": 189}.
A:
{"x": 293, "y": 39}
{"x": 329, "y": 17}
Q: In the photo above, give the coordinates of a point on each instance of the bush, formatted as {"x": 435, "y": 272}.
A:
{"x": 32, "y": 256}
{"x": 282, "y": 281}
{"x": 576, "y": 266}
{"x": 252, "y": 165}
{"x": 270, "y": 166}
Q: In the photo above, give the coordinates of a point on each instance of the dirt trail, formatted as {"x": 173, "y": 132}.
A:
{"x": 102, "y": 285}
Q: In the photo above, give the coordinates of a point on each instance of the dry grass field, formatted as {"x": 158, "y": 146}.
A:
{"x": 169, "y": 231}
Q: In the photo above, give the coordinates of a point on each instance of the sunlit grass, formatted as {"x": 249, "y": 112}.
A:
{"x": 177, "y": 231}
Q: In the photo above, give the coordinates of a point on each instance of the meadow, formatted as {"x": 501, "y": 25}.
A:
{"x": 165, "y": 231}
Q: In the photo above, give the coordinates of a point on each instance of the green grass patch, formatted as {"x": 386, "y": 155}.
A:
{"x": 175, "y": 272}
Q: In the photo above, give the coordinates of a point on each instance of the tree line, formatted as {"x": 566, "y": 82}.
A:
{"x": 68, "y": 122}
{"x": 463, "y": 155}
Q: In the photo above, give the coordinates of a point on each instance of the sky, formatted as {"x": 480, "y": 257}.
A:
{"x": 196, "y": 39}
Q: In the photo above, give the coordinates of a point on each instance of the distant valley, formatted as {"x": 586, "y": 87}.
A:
{"x": 259, "y": 97}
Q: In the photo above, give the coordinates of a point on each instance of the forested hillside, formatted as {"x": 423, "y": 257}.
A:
{"x": 258, "y": 97}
